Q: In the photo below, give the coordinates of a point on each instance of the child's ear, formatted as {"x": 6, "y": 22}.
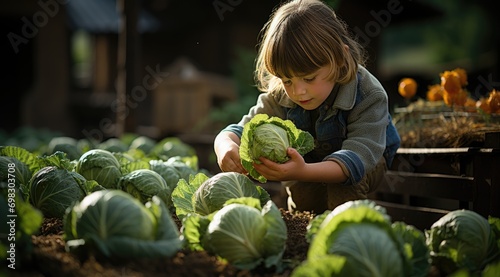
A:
{"x": 346, "y": 47}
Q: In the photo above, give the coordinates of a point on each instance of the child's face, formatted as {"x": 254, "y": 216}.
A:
{"x": 311, "y": 90}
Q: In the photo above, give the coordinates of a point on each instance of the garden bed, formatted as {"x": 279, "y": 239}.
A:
{"x": 49, "y": 257}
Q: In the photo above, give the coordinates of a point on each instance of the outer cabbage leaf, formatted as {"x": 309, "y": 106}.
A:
{"x": 168, "y": 172}
{"x": 183, "y": 194}
{"x": 416, "y": 248}
{"x": 143, "y": 184}
{"x": 269, "y": 137}
{"x": 369, "y": 250}
{"x": 330, "y": 265}
{"x": 462, "y": 239}
{"x": 114, "y": 224}
{"x": 204, "y": 195}
{"x": 101, "y": 166}
{"x": 315, "y": 224}
{"x": 31, "y": 160}
{"x": 185, "y": 168}
{"x": 22, "y": 174}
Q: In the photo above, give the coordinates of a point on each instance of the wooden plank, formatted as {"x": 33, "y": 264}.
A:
{"x": 420, "y": 217}
{"x": 429, "y": 185}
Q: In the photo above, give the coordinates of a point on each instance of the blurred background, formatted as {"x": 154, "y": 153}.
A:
{"x": 185, "y": 67}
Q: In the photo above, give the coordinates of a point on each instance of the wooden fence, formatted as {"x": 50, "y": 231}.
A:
{"x": 423, "y": 184}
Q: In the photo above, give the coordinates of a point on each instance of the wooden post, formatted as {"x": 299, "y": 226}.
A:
{"x": 128, "y": 57}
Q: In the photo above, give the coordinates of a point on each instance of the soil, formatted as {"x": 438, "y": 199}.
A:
{"x": 49, "y": 257}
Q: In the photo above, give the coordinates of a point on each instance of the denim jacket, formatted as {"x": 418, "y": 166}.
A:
{"x": 353, "y": 126}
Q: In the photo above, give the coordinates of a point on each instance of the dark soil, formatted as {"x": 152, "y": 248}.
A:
{"x": 49, "y": 257}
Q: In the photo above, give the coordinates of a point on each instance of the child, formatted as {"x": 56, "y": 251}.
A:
{"x": 312, "y": 73}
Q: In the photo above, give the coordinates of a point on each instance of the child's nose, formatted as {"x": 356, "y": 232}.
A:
{"x": 299, "y": 89}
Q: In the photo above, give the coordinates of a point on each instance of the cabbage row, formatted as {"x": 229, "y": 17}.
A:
{"x": 117, "y": 200}
{"x": 358, "y": 238}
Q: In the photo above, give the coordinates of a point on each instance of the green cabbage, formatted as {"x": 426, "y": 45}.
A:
{"x": 204, "y": 195}
{"x": 143, "y": 184}
{"x": 243, "y": 232}
{"x": 114, "y": 224}
{"x": 360, "y": 239}
{"x": 52, "y": 190}
{"x": 462, "y": 239}
{"x": 167, "y": 171}
{"x": 270, "y": 137}
{"x": 67, "y": 145}
{"x": 100, "y": 165}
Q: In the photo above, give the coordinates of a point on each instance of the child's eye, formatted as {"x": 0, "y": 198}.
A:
{"x": 286, "y": 82}
{"x": 309, "y": 79}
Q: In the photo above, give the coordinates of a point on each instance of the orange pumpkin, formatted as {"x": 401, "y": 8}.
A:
{"x": 407, "y": 87}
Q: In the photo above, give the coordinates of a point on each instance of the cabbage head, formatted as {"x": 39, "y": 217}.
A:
{"x": 52, "y": 190}
{"x": 204, "y": 195}
{"x": 168, "y": 172}
{"x": 67, "y": 145}
{"x": 270, "y": 137}
{"x": 100, "y": 165}
{"x": 462, "y": 239}
{"x": 143, "y": 184}
{"x": 143, "y": 143}
{"x": 243, "y": 232}
{"x": 114, "y": 224}
{"x": 359, "y": 237}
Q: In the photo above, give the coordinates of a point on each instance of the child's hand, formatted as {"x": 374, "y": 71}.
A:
{"x": 228, "y": 157}
{"x": 290, "y": 170}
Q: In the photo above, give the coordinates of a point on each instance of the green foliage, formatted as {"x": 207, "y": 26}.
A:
{"x": 270, "y": 137}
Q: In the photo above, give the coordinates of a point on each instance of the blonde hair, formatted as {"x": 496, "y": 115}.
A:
{"x": 300, "y": 37}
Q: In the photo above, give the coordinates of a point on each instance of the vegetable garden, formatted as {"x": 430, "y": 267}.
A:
{"x": 139, "y": 207}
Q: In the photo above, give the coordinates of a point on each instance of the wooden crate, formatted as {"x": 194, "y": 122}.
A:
{"x": 423, "y": 184}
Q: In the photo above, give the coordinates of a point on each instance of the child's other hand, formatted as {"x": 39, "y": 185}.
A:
{"x": 290, "y": 170}
{"x": 228, "y": 158}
